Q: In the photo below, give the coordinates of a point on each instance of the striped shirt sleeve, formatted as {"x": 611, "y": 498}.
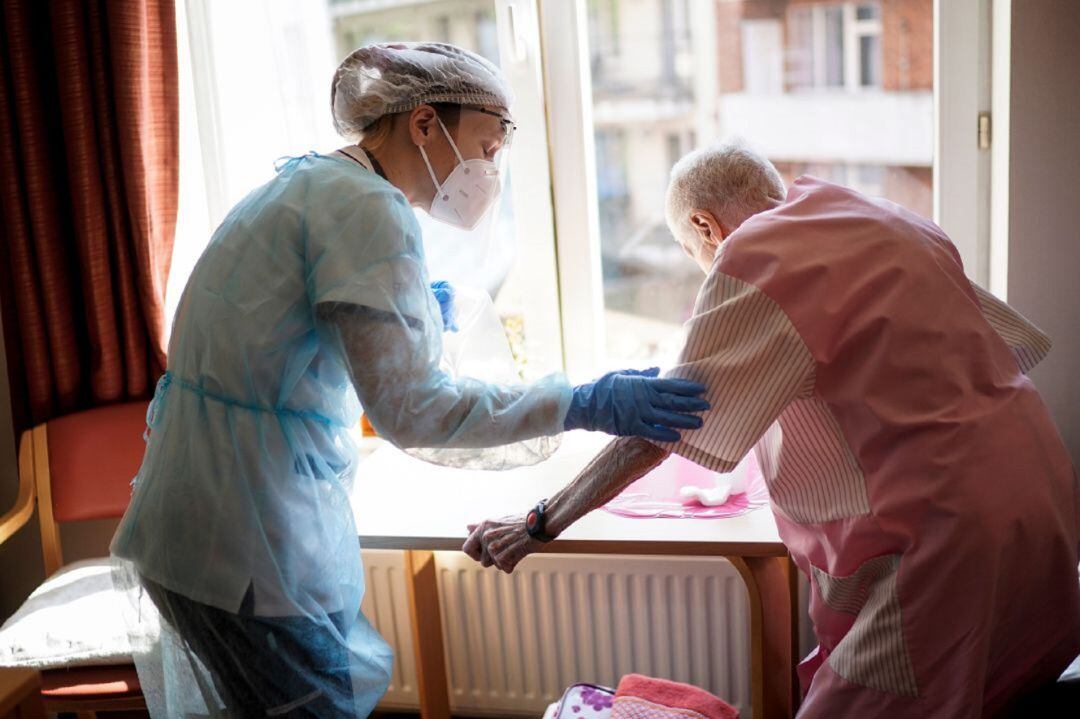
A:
{"x": 1028, "y": 343}
{"x": 744, "y": 349}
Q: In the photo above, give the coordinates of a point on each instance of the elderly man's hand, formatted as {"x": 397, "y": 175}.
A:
{"x": 502, "y": 542}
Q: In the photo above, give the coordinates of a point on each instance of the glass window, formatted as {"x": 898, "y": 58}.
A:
{"x": 870, "y": 61}
{"x": 794, "y": 87}
{"x": 833, "y": 46}
{"x": 868, "y": 12}
{"x": 284, "y": 111}
{"x": 799, "y": 55}
{"x": 486, "y": 258}
{"x": 442, "y": 28}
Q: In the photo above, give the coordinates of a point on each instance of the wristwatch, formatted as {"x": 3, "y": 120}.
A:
{"x": 535, "y": 522}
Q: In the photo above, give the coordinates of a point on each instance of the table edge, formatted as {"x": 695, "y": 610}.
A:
{"x": 594, "y": 546}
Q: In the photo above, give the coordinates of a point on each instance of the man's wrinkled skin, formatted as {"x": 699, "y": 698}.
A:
{"x": 503, "y": 543}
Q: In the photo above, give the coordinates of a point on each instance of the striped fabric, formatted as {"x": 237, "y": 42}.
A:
{"x": 873, "y": 653}
{"x": 1028, "y": 343}
{"x": 809, "y": 467}
{"x": 742, "y": 347}
{"x": 849, "y": 594}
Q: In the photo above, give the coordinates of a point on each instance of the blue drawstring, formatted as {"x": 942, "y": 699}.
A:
{"x": 153, "y": 412}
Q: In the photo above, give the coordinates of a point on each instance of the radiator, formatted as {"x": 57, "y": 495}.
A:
{"x": 515, "y": 642}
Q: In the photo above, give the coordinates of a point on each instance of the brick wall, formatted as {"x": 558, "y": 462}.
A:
{"x": 729, "y": 15}
{"x": 912, "y": 187}
{"x": 907, "y": 45}
{"x": 907, "y": 39}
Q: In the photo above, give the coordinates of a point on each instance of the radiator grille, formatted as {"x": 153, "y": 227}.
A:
{"x": 514, "y": 643}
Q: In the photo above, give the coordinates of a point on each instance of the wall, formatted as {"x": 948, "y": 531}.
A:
{"x": 907, "y": 38}
{"x": 1044, "y": 216}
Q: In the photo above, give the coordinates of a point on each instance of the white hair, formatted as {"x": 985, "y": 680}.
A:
{"x": 729, "y": 179}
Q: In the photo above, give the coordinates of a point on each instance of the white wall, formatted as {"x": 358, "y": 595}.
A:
{"x": 890, "y": 128}
{"x": 1044, "y": 214}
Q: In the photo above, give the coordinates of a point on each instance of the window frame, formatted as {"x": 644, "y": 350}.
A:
{"x": 962, "y": 90}
{"x": 544, "y": 46}
{"x": 517, "y": 35}
{"x": 960, "y": 169}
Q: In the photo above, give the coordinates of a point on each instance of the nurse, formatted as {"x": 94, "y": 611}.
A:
{"x": 311, "y": 301}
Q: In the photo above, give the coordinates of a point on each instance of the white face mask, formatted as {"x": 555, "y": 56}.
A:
{"x": 469, "y": 191}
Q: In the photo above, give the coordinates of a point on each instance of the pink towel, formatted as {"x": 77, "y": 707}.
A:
{"x": 639, "y": 697}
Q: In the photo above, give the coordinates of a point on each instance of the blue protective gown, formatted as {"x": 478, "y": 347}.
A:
{"x": 312, "y": 291}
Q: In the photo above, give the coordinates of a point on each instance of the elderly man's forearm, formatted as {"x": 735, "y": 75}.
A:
{"x": 616, "y": 466}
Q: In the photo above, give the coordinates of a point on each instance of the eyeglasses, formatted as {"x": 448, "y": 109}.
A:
{"x": 507, "y": 125}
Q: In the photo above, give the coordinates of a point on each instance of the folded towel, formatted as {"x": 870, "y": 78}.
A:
{"x": 639, "y": 697}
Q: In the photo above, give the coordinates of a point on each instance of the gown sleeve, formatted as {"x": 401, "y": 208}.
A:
{"x": 373, "y": 305}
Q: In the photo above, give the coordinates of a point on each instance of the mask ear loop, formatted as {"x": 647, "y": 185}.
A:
{"x": 427, "y": 162}
{"x": 431, "y": 173}
{"x": 460, "y": 159}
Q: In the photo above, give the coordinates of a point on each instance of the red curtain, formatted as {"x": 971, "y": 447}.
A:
{"x": 89, "y": 151}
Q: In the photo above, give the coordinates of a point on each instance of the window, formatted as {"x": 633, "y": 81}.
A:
{"x": 763, "y": 56}
{"x": 795, "y": 82}
{"x": 246, "y": 119}
{"x": 835, "y": 46}
{"x": 579, "y": 260}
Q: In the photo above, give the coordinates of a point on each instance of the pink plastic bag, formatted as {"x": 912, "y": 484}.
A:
{"x": 657, "y": 493}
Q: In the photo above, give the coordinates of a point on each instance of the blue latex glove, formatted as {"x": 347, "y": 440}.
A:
{"x": 633, "y": 403}
{"x": 444, "y": 293}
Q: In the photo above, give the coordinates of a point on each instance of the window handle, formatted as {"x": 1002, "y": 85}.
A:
{"x": 512, "y": 45}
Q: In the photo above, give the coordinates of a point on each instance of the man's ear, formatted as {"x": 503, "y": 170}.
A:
{"x": 707, "y": 228}
{"x": 422, "y": 123}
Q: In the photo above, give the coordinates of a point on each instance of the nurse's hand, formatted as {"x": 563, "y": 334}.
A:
{"x": 500, "y": 542}
{"x": 632, "y": 403}
{"x": 444, "y": 293}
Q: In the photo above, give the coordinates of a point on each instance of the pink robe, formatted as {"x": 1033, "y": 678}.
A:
{"x": 915, "y": 473}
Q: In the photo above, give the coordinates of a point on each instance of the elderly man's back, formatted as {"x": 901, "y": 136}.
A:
{"x": 915, "y": 473}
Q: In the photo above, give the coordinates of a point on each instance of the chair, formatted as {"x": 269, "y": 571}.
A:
{"x": 79, "y": 468}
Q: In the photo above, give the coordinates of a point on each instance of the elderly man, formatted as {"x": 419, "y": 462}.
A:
{"x": 915, "y": 474}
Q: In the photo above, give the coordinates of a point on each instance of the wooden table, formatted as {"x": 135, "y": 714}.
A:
{"x": 402, "y": 503}
{"x": 20, "y": 694}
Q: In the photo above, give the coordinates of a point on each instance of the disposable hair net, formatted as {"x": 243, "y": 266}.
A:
{"x": 378, "y": 80}
{"x": 311, "y": 298}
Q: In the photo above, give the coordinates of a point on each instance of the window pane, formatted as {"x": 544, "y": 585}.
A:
{"x": 799, "y": 55}
{"x": 834, "y": 46}
{"x": 870, "y": 61}
{"x": 284, "y": 110}
{"x": 787, "y": 84}
{"x": 486, "y": 258}
{"x": 868, "y": 12}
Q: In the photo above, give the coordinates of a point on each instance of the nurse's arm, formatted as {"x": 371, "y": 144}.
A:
{"x": 393, "y": 362}
{"x": 504, "y": 542}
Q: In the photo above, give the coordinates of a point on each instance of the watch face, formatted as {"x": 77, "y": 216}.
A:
{"x": 531, "y": 520}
